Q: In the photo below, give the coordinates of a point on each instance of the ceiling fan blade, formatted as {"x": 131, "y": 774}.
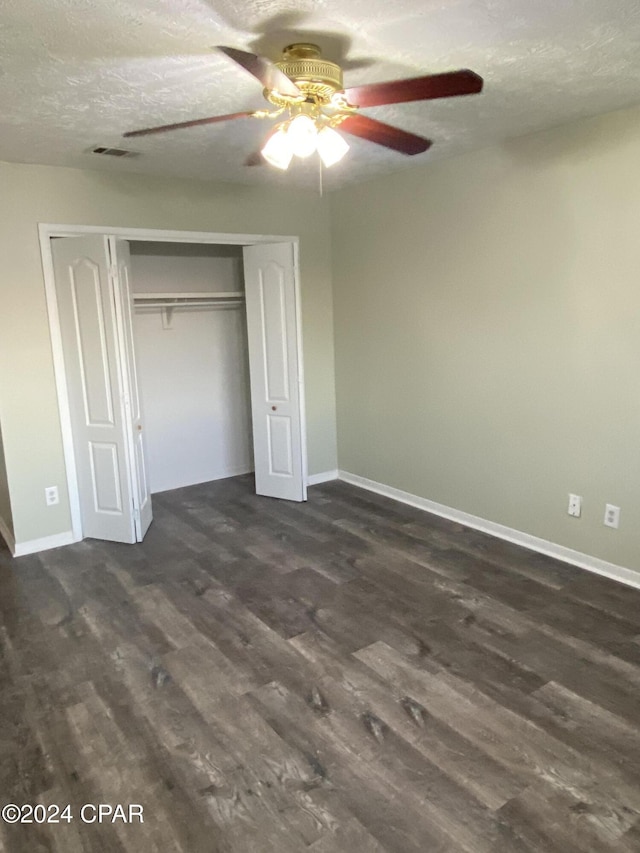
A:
{"x": 447, "y": 85}
{"x": 385, "y": 134}
{"x": 264, "y": 70}
{"x": 181, "y": 124}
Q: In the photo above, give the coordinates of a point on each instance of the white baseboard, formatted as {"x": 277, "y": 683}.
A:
{"x": 7, "y": 535}
{"x": 21, "y": 549}
{"x": 322, "y": 477}
{"x": 533, "y": 543}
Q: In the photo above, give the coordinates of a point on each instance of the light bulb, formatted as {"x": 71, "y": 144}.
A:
{"x": 331, "y": 146}
{"x": 302, "y": 135}
{"x": 278, "y": 149}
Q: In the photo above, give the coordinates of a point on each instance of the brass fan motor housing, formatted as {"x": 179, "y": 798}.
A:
{"x": 317, "y": 78}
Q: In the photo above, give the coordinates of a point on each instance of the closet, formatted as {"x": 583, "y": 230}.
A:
{"x": 178, "y": 361}
{"x": 192, "y": 361}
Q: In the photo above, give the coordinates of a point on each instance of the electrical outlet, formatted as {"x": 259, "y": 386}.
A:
{"x": 612, "y": 515}
{"x": 51, "y": 495}
{"x": 575, "y": 506}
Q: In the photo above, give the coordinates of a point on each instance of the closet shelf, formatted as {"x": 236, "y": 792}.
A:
{"x": 169, "y": 301}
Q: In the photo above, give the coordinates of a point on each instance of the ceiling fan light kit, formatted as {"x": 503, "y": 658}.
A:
{"x": 331, "y": 146}
{"x": 302, "y": 132}
{"x": 309, "y": 89}
{"x": 302, "y": 136}
{"x": 312, "y": 114}
{"x": 278, "y": 150}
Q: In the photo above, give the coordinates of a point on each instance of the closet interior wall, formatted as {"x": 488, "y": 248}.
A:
{"x": 192, "y": 363}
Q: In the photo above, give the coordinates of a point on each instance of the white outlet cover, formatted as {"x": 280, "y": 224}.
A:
{"x": 51, "y": 495}
{"x": 575, "y": 505}
{"x": 612, "y": 515}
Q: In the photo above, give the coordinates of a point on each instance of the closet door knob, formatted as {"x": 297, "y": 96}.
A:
{"x": 139, "y": 427}
{"x": 273, "y": 408}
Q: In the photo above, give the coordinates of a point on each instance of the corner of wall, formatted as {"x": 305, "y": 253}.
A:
{"x": 6, "y": 516}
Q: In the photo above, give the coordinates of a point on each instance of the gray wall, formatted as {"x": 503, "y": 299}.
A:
{"x": 33, "y": 194}
{"x": 487, "y": 322}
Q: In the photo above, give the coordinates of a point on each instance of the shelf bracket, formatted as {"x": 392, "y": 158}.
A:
{"x": 167, "y": 316}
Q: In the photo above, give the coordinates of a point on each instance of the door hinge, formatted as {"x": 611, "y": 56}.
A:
{"x": 113, "y": 272}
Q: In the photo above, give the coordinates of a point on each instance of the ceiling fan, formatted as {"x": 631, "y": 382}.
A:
{"x": 307, "y": 91}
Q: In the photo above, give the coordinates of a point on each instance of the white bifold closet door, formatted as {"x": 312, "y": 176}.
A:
{"x": 276, "y": 372}
{"x": 94, "y": 307}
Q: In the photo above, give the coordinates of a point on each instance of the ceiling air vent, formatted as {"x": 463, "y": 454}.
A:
{"x": 113, "y": 152}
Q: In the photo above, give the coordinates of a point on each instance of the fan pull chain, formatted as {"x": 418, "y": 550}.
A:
{"x": 320, "y": 176}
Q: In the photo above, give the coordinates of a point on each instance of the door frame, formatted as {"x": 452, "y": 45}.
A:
{"x": 47, "y": 231}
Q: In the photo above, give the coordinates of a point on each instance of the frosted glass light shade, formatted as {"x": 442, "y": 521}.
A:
{"x": 302, "y": 135}
{"x": 278, "y": 150}
{"x": 331, "y": 146}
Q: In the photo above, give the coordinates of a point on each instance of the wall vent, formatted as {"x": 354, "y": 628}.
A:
{"x": 113, "y": 152}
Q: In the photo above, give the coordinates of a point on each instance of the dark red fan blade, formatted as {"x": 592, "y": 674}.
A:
{"x": 193, "y": 123}
{"x": 416, "y": 89}
{"x": 385, "y": 134}
{"x": 264, "y": 70}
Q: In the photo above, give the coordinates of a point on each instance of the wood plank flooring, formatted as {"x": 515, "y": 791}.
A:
{"x": 348, "y": 675}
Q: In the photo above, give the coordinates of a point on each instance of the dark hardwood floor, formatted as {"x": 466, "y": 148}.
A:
{"x": 344, "y": 676}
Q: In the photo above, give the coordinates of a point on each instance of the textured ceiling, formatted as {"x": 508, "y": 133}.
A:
{"x": 75, "y": 74}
